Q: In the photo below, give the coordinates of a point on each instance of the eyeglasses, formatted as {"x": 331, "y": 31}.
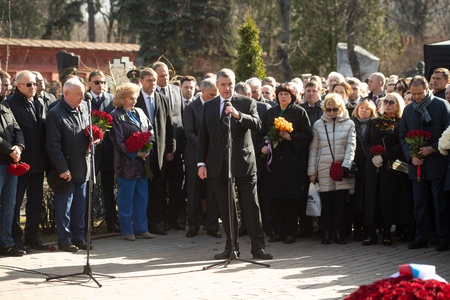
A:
{"x": 334, "y": 109}
{"x": 29, "y": 84}
{"x": 390, "y": 102}
{"x": 398, "y": 88}
{"x": 97, "y": 82}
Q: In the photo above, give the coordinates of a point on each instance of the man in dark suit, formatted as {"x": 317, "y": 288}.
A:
{"x": 104, "y": 152}
{"x": 244, "y": 89}
{"x": 47, "y": 98}
{"x": 376, "y": 87}
{"x": 212, "y": 157}
{"x": 174, "y": 177}
{"x": 197, "y": 189}
{"x": 157, "y": 109}
{"x": 432, "y": 114}
{"x": 30, "y": 115}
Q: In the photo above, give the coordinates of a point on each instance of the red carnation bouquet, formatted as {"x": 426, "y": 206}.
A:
{"x": 18, "y": 168}
{"x": 140, "y": 141}
{"x": 416, "y": 140}
{"x": 377, "y": 150}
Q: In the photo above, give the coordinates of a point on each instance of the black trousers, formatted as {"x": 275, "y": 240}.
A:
{"x": 32, "y": 184}
{"x": 198, "y": 189}
{"x": 285, "y": 215}
{"x": 333, "y": 208}
{"x": 107, "y": 179}
{"x": 248, "y": 198}
{"x": 174, "y": 178}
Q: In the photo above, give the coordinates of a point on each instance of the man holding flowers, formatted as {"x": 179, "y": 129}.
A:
{"x": 432, "y": 115}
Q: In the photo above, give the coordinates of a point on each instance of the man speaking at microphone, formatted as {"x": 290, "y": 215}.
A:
{"x": 212, "y": 160}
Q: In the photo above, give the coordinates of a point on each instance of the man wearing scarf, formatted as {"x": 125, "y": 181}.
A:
{"x": 431, "y": 114}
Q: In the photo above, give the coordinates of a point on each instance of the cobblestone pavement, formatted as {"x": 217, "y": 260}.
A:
{"x": 171, "y": 267}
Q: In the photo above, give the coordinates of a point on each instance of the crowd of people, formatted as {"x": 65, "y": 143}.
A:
{"x": 343, "y": 134}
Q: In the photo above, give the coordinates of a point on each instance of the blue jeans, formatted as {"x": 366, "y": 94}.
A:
{"x": 132, "y": 200}
{"x": 69, "y": 213}
{"x": 8, "y": 184}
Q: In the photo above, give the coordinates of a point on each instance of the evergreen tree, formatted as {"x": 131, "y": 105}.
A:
{"x": 249, "y": 63}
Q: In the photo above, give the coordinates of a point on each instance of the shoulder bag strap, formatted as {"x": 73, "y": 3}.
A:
{"x": 328, "y": 139}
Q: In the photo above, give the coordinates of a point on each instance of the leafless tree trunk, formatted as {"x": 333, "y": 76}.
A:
{"x": 91, "y": 12}
{"x": 352, "y": 10}
{"x": 283, "y": 48}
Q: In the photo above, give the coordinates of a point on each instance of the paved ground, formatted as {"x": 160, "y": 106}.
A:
{"x": 170, "y": 267}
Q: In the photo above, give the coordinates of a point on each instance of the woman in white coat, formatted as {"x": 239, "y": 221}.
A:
{"x": 334, "y": 140}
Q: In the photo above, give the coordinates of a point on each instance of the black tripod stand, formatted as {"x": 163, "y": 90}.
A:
{"x": 92, "y": 180}
{"x": 234, "y": 255}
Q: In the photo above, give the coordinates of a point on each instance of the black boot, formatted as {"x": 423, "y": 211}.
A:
{"x": 326, "y": 237}
{"x": 338, "y": 238}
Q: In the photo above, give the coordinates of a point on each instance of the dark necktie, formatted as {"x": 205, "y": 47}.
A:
{"x": 31, "y": 109}
{"x": 375, "y": 99}
{"x": 162, "y": 91}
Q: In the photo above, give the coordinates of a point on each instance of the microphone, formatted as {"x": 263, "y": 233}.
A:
{"x": 88, "y": 97}
{"x": 227, "y": 103}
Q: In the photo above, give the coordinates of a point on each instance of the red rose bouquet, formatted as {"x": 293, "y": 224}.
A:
{"x": 102, "y": 119}
{"x": 377, "y": 150}
{"x": 18, "y": 168}
{"x": 140, "y": 141}
{"x": 416, "y": 140}
{"x": 413, "y": 281}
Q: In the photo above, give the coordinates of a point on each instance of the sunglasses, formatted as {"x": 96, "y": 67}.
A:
{"x": 390, "y": 102}
{"x": 97, "y": 82}
{"x": 334, "y": 109}
{"x": 29, "y": 84}
{"x": 398, "y": 88}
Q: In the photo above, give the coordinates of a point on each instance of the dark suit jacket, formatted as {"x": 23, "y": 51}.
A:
{"x": 192, "y": 121}
{"x": 435, "y": 164}
{"x": 163, "y": 127}
{"x": 33, "y": 128}
{"x": 213, "y": 140}
{"x": 104, "y": 152}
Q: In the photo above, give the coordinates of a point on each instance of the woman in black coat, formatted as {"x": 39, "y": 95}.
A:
{"x": 388, "y": 198}
{"x": 286, "y": 174}
{"x": 361, "y": 116}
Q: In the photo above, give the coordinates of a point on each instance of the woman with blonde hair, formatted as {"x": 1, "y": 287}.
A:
{"x": 388, "y": 198}
{"x": 132, "y": 197}
{"x": 331, "y": 154}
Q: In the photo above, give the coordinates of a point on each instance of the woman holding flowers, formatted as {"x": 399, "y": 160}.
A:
{"x": 331, "y": 153}
{"x": 287, "y": 133}
{"x": 361, "y": 116}
{"x": 388, "y": 198}
{"x": 132, "y": 198}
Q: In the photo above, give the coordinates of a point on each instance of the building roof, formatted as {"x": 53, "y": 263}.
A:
{"x": 57, "y": 44}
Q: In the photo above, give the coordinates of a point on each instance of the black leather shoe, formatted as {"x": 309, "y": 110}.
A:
{"x": 243, "y": 230}
{"x": 369, "y": 241}
{"x": 418, "y": 245}
{"x": 338, "y": 238}
{"x": 289, "y": 239}
{"x": 442, "y": 247}
{"x": 156, "y": 229}
{"x": 11, "y": 251}
{"x": 270, "y": 233}
{"x": 36, "y": 244}
{"x": 82, "y": 245}
{"x": 215, "y": 234}
{"x": 326, "y": 237}
{"x": 275, "y": 238}
{"x": 191, "y": 233}
{"x": 22, "y": 248}
{"x": 261, "y": 254}
{"x": 113, "y": 228}
{"x": 68, "y": 248}
{"x": 225, "y": 254}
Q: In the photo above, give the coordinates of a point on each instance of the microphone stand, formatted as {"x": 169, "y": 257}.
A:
{"x": 92, "y": 181}
{"x": 232, "y": 209}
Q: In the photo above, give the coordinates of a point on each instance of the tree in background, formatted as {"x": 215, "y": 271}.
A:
{"x": 249, "y": 63}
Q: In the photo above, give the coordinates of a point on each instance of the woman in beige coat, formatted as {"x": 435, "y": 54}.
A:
{"x": 334, "y": 140}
